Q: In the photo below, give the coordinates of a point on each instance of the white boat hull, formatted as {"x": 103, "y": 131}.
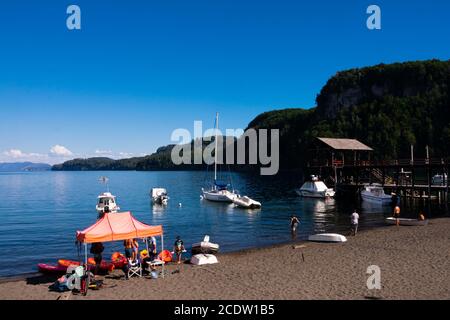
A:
{"x": 202, "y": 259}
{"x": 406, "y": 222}
{"x": 205, "y": 247}
{"x": 246, "y": 202}
{"x": 384, "y": 200}
{"x": 327, "y": 237}
{"x": 311, "y": 194}
{"x": 219, "y": 196}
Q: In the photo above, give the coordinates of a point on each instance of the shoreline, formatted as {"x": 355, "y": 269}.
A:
{"x": 414, "y": 263}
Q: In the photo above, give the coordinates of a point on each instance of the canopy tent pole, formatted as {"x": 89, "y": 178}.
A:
{"x": 162, "y": 249}
{"x": 85, "y": 254}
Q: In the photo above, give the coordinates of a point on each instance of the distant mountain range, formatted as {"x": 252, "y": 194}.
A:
{"x": 23, "y": 166}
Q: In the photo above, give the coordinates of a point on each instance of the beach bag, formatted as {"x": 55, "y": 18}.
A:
{"x": 59, "y": 285}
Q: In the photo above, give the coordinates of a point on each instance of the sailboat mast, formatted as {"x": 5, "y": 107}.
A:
{"x": 215, "y": 150}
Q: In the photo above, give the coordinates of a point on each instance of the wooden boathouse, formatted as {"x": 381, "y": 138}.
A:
{"x": 348, "y": 164}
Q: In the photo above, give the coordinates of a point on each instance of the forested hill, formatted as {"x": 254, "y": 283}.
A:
{"x": 387, "y": 106}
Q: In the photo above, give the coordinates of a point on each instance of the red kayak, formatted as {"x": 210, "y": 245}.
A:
{"x": 51, "y": 269}
{"x": 104, "y": 266}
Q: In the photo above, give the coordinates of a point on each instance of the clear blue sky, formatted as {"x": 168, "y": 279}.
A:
{"x": 140, "y": 69}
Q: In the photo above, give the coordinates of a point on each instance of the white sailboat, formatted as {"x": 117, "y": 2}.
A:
{"x": 220, "y": 191}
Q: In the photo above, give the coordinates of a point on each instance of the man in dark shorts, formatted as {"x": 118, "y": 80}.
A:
{"x": 97, "y": 250}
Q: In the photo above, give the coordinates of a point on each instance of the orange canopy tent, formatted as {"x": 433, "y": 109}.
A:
{"x": 117, "y": 226}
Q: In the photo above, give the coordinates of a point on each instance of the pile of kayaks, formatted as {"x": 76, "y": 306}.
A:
{"x": 62, "y": 265}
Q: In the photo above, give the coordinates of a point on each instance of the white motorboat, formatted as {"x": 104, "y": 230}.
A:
{"x": 327, "y": 237}
{"x": 205, "y": 246}
{"x": 106, "y": 201}
{"x": 406, "y": 222}
{"x": 202, "y": 259}
{"x": 315, "y": 189}
{"x": 374, "y": 193}
{"x": 159, "y": 196}
{"x": 220, "y": 191}
{"x": 246, "y": 202}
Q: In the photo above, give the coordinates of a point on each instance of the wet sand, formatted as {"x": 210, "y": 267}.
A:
{"x": 414, "y": 263}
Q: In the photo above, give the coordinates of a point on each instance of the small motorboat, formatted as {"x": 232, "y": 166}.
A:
{"x": 202, "y": 259}
{"x": 374, "y": 193}
{"x": 246, "y": 202}
{"x": 106, "y": 201}
{"x": 315, "y": 189}
{"x": 327, "y": 237}
{"x": 159, "y": 196}
{"x": 205, "y": 247}
{"x": 406, "y": 222}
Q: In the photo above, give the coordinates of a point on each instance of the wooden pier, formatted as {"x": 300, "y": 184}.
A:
{"x": 345, "y": 164}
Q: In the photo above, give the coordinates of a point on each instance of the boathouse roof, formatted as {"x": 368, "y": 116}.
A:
{"x": 345, "y": 144}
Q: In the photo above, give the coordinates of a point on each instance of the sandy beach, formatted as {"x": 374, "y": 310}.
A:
{"x": 414, "y": 263}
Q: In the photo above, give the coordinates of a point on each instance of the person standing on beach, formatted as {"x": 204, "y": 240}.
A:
{"x": 397, "y": 215}
{"x": 128, "y": 248}
{"x": 178, "y": 248}
{"x": 354, "y": 219}
{"x": 97, "y": 250}
{"x": 135, "y": 245}
{"x": 294, "y": 223}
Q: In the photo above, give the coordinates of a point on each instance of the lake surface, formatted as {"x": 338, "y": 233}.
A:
{"x": 41, "y": 212}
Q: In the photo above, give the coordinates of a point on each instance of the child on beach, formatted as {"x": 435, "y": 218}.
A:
{"x": 397, "y": 215}
{"x": 178, "y": 248}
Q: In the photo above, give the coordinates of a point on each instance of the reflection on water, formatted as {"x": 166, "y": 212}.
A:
{"x": 42, "y": 211}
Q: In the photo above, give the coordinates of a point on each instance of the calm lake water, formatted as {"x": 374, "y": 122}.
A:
{"x": 40, "y": 212}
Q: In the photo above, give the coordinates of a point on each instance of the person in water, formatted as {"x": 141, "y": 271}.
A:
{"x": 97, "y": 250}
{"x": 397, "y": 215}
{"x": 128, "y": 244}
{"x": 354, "y": 220}
{"x": 178, "y": 248}
{"x": 294, "y": 223}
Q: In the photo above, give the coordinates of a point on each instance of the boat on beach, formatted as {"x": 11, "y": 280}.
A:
{"x": 205, "y": 247}
{"x": 327, "y": 237}
{"x": 159, "y": 196}
{"x": 374, "y": 193}
{"x": 406, "y": 222}
{"x": 315, "y": 188}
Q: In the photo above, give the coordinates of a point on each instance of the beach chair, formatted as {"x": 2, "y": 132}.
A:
{"x": 134, "y": 268}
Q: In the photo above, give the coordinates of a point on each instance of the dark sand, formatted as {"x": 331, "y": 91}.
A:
{"x": 414, "y": 262}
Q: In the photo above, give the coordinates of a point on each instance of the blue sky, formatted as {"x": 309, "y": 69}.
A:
{"x": 140, "y": 69}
